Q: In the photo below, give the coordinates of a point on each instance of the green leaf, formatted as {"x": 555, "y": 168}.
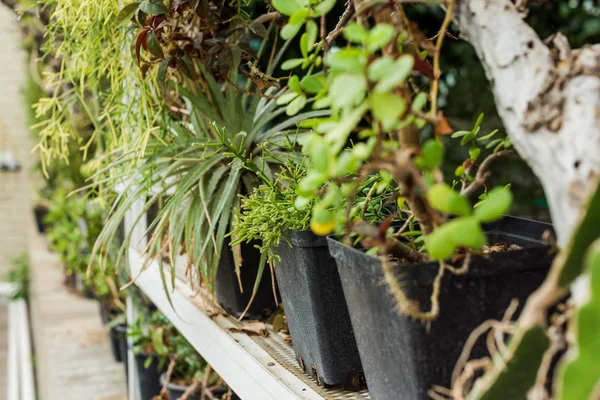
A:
{"x": 320, "y": 158}
{"x": 387, "y": 108}
{"x": 458, "y": 134}
{"x": 158, "y": 342}
{"x": 153, "y": 7}
{"x": 379, "y": 36}
{"x": 443, "y": 198}
{"x": 488, "y": 136}
{"x": 153, "y": 45}
{"x": 459, "y": 170}
{"x": 466, "y": 232}
{"x": 312, "y": 83}
{"x": 286, "y": 98}
{"x": 349, "y": 59}
{"x": 324, "y": 7}
{"x": 478, "y": 123}
{"x": 419, "y": 101}
{"x": 474, "y": 152}
{"x": 286, "y": 7}
{"x": 291, "y": 63}
{"x": 355, "y": 33}
{"x": 403, "y": 68}
{"x": 294, "y": 84}
{"x": 304, "y": 48}
{"x": 311, "y": 33}
{"x": 432, "y": 155}
{"x": 299, "y": 17}
{"x": 289, "y": 31}
{"x": 127, "y": 11}
{"x": 338, "y": 135}
{"x": 581, "y": 376}
{"x": 496, "y": 204}
{"x": 439, "y": 245}
{"x": 347, "y": 90}
{"x": 311, "y": 183}
{"x": 380, "y": 68}
{"x": 493, "y": 143}
{"x": 296, "y": 105}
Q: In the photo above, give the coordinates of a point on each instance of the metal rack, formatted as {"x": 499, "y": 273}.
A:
{"x": 254, "y": 367}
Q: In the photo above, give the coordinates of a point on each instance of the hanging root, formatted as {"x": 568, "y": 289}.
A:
{"x": 405, "y": 305}
{"x": 464, "y": 371}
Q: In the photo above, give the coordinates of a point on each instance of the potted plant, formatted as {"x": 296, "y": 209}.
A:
{"x": 150, "y": 335}
{"x": 307, "y": 278}
{"x": 208, "y": 123}
{"x": 188, "y": 375}
{"x": 419, "y": 281}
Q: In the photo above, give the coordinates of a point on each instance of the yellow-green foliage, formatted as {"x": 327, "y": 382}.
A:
{"x": 96, "y": 76}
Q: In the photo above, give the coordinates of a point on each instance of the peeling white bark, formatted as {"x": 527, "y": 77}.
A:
{"x": 548, "y": 97}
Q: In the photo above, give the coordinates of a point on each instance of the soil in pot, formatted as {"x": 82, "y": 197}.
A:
{"x": 175, "y": 391}
{"x": 404, "y": 358}
{"x": 316, "y": 311}
{"x": 227, "y": 286}
{"x": 149, "y": 377}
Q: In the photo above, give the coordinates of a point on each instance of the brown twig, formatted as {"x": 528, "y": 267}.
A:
{"x": 436, "y": 58}
{"x": 482, "y": 173}
{"x": 192, "y": 389}
{"x": 272, "y": 16}
{"x": 163, "y": 392}
{"x": 339, "y": 27}
{"x": 366, "y": 203}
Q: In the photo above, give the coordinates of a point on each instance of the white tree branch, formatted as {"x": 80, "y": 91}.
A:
{"x": 548, "y": 97}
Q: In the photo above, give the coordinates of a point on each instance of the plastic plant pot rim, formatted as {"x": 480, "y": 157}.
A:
{"x": 481, "y": 266}
{"x": 303, "y": 238}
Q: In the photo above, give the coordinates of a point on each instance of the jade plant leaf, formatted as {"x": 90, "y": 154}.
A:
{"x": 443, "y": 198}
{"x": 496, "y": 203}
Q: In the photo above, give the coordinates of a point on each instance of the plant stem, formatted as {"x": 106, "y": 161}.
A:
{"x": 436, "y": 58}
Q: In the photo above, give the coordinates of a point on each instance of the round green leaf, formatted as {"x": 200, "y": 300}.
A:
{"x": 294, "y": 84}
{"x": 495, "y": 204}
{"x": 312, "y": 83}
{"x": 324, "y": 7}
{"x": 443, "y": 198}
{"x": 349, "y": 59}
{"x": 379, "y": 36}
{"x": 347, "y": 90}
{"x": 403, "y": 68}
{"x": 296, "y": 105}
{"x": 355, "y": 33}
{"x": 291, "y": 63}
{"x": 387, "y": 108}
{"x": 439, "y": 244}
{"x": 286, "y": 98}
{"x": 289, "y": 31}
{"x": 286, "y": 7}
{"x": 320, "y": 158}
{"x": 380, "y": 68}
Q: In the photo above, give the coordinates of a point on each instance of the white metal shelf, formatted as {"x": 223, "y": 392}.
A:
{"x": 254, "y": 367}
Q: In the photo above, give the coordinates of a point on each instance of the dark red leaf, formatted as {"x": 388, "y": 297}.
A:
{"x": 423, "y": 67}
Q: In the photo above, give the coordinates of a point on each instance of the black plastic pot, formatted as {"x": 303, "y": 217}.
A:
{"x": 403, "y": 358}
{"x": 40, "y": 213}
{"x": 118, "y": 342}
{"x": 176, "y": 391}
{"x": 227, "y": 288}
{"x": 149, "y": 378}
{"x": 106, "y": 314}
{"x": 316, "y": 311}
